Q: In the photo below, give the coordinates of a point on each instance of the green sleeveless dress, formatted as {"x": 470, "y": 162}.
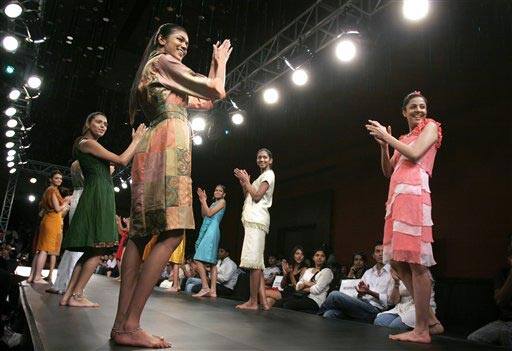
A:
{"x": 93, "y": 223}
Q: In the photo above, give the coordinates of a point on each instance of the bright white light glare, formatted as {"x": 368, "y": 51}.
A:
{"x": 12, "y": 123}
{"x": 270, "y": 95}
{"x": 31, "y": 198}
{"x": 10, "y": 133}
{"x": 299, "y": 77}
{"x": 198, "y": 124}
{"x": 13, "y": 10}
{"x": 130, "y": 181}
{"x": 10, "y": 43}
{"x": 346, "y": 50}
{"x": 10, "y": 111}
{"x": 9, "y": 144}
{"x": 124, "y": 185}
{"x": 116, "y": 189}
{"x": 34, "y": 82}
{"x": 198, "y": 140}
{"x": 415, "y": 10}
{"x": 10, "y": 164}
{"x": 12, "y": 170}
{"x": 11, "y": 152}
{"x": 237, "y": 118}
{"x": 14, "y": 94}
{"x": 33, "y": 180}
{"x": 9, "y": 158}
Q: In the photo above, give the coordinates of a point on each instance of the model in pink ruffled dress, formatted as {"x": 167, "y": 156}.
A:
{"x": 408, "y": 222}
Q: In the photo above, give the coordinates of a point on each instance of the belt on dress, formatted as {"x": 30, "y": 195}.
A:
{"x": 168, "y": 114}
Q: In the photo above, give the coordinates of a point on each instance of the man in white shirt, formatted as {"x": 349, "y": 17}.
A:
{"x": 227, "y": 275}
{"x": 372, "y": 294}
{"x": 271, "y": 271}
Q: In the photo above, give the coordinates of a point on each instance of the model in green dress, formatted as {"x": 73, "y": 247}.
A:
{"x": 93, "y": 228}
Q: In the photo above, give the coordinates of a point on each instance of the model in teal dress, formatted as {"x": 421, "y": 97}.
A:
{"x": 93, "y": 228}
{"x": 207, "y": 243}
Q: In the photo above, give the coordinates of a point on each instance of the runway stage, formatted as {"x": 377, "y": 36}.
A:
{"x": 206, "y": 324}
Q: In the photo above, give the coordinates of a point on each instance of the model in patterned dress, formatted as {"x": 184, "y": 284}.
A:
{"x": 408, "y": 222}
{"x": 163, "y": 89}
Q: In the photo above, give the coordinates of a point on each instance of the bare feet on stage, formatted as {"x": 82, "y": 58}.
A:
{"x": 212, "y": 294}
{"x": 202, "y": 292}
{"x": 172, "y": 289}
{"x": 436, "y": 328}
{"x": 247, "y": 306}
{"x": 265, "y": 307}
{"x": 78, "y": 300}
{"x": 140, "y": 338}
{"x": 413, "y": 336}
{"x": 38, "y": 281}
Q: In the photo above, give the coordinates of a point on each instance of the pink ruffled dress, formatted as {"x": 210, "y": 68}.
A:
{"x": 408, "y": 221}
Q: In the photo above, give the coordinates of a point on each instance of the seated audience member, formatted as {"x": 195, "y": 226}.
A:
{"x": 403, "y": 315}
{"x": 291, "y": 275}
{"x": 102, "y": 266}
{"x": 312, "y": 287}
{"x": 358, "y": 266}
{"x": 372, "y": 294}
{"x": 190, "y": 271}
{"x": 499, "y": 332}
{"x": 227, "y": 275}
{"x": 111, "y": 266}
{"x": 271, "y": 271}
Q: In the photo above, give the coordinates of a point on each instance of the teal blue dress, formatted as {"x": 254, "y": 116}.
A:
{"x": 207, "y": 244}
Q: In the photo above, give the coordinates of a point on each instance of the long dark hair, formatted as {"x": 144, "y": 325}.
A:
{"x": 85, "y": 128}
{"x": 164, "y": 30}
{"x": 292, "y": 258}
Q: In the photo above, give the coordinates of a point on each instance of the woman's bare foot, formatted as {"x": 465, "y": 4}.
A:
{"x": 212, "y": 294}
{"x": 247, "y": 306}
{"x": 265, "y": 307}
{"x": 30, "y": 279}
{"x": 172, "y": 289}
{"x": 412, "y": 336}
{"x": 78, "y": 300}
{"x": 39, "y": 281}
{"x": 202, "y": 292}
{"x": 140, "y": 338}
{"x": 436, "y": 328}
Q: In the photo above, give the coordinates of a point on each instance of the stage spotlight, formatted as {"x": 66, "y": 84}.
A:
{"x": 33, "y": 180}
{"x": 69, "y": 37}
{"x": 130, "y": 180}
{"x": 14, "y": 94}
{"x": 10, "y": 43}
{"x": 12, "y": 123}
{"x": 31, "y": 198}
{"x": 198, "y": 124}
{"x": 198, "y": 140}
{"x": 9, "y": 69}
{"x": 34, "y": 82}
{"x": 299, "y": 77}
{"x": 346, "y": 50}
{"x": 10, "y": 164}
{"x": 116, "y": 189}
{"x": 10, "y": 111}
{"x": 13, "y": 9}
{"x": 124, "y": 185}
{"x": 9, "y": 158}
{"x": 9, "y": 144}
{"x": 11, "y": 152}
{"x": 271, "y": 95}
{"x": 10, "y": 133}
{"x": 12, "y": 170}
{"x": 237, "y": 118}
{"x": 415, "y": 10}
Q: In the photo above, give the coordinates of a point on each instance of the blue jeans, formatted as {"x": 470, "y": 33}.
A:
{"x": 340, "y": 305}
{"x": 390, "y": 320}
{"x": 191, "y": 282}
{"x": 497, "y": 333}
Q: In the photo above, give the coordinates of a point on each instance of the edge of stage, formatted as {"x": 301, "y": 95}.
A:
{"x": 202, "y": 324}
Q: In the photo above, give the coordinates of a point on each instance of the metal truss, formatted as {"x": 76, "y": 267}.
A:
{"x": 316, "y": 28}
{"x": 8, "y": 200}
{"x": 45, "y": 169}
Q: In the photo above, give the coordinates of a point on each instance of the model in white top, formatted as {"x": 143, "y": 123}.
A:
{"x": 256, "y": 220}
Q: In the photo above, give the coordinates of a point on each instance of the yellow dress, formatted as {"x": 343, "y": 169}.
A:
{"x": 50, "y": 229}
{"x": 177, "y": 257}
